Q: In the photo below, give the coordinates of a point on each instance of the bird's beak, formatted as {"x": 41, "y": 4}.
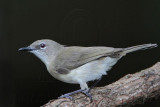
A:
{"x": 26, "y": 49}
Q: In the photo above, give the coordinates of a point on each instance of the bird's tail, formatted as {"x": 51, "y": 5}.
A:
{"x": 139, "y": 47}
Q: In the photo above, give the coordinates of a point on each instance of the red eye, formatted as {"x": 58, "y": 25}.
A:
{"x": 42, "y": 45}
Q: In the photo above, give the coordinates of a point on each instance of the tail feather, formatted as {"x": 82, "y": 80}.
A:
{"x": 139, "y": 47}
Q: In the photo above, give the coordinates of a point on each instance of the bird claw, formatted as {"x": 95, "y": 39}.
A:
{"x": 86, "y": 92}
{"x": 66, "y": 96}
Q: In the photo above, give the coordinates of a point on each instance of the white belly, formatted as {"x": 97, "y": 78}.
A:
{"x": 89, "y": 72}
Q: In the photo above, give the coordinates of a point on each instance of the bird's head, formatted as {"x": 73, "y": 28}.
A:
{"x": 44, "y": 49}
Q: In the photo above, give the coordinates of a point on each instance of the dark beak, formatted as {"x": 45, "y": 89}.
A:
{"x": 26, "y": 49}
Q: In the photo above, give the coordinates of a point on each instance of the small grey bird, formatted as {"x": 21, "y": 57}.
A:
{"x": 76, "y": 64}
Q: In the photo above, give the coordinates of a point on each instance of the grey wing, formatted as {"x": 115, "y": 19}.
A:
{"x": 73, "y": 57}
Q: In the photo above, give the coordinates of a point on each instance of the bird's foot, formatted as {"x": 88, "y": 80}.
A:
{"x": 86, "y": 92}
{"x": 68, "y": 95}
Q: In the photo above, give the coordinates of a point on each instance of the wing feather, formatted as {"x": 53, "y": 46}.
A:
{"x": 78, "y": 56}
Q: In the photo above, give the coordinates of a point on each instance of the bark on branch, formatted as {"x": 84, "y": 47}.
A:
{"x": 130, "y": 90}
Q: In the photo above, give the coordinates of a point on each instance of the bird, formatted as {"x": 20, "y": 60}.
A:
{"x": 78, "y": 64}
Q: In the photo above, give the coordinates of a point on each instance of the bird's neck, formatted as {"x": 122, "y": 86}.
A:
{"x": 45, "y": 58}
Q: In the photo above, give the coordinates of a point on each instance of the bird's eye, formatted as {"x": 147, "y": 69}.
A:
{"x": 42, "y": 45}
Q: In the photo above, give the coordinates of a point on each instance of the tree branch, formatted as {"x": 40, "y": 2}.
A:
{"x": 130, "y": 90}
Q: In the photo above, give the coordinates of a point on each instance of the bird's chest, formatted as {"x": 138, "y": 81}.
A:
{"x": 51, "y": 69}
{"x": 59, "y": 76}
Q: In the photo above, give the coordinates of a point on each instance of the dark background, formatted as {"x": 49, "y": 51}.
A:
{"x": 24, "y": 80}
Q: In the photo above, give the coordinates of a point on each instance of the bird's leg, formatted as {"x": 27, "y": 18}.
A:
{"x": 68, "y": 95}
{"x": 86, "y": 92}
{"x": 94, "y": 84}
